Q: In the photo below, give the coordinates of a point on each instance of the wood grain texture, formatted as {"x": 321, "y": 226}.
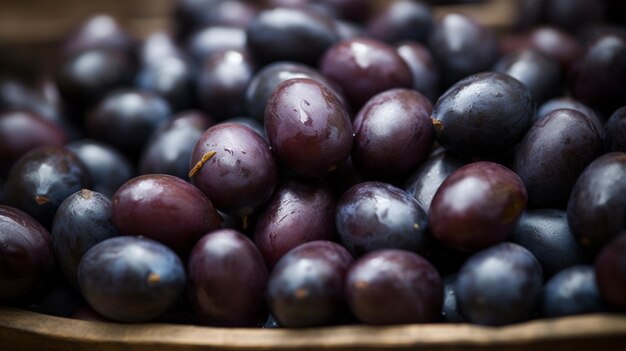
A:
{"x": 25, "y": 331}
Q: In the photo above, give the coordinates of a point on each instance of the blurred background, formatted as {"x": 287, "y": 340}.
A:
{"x": 30, "y": 30}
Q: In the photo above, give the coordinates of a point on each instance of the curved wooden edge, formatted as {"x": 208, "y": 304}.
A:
{"x": 24, "y": 330}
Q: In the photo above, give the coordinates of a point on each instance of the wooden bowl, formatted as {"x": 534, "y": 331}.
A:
{"x": 24, "y": 331}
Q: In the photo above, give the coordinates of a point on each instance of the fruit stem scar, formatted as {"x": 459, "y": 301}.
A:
{"x": 153, "y": 278}
{"x": 41, "y": 199}
{"x": 207, "y": 156}
{"x": 437, "y": 124}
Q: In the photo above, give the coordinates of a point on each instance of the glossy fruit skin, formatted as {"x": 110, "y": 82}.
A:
{"x": 172, "y": 77}
{"x": 297, "y": 213}
{"x": 614, "y": 133}
{"x": 462, "y": 47}
{"x": 97, "y": 32}
{"x": 86, "y": 77}
{"x": 568, "y": 103}
{"x": 308, "y": 127}
{"x": 107, "y": 167}
{"x": 394, "y": 287}
{"x": 546, "y": 234}
{"x": 553, "y": 154}
{"x": 598, "y": 78}
{"x": 126, "y": 118}
{"x": 365, "y": 67}
{"x": 483, "y": 114}
{"x": 26, "y": 257}
{"x": 477, "y": 206}
{"x": 499, "y": 285}
{"x": 596, "y": 207}
{"x": 131, "y": 279}
{"x": 401, "y": 20}
{"x": 556, "y": 44}
{"x": 427, "y": 178}
{"x": 450, "y": 309}
{"x": 571, "y": 292}
{"x": 213, "y": 39}
{"x": 542, "y": 75}
{"x": 42, "y": 179}
{"x": 164, "y": 208}
{"x": 423, "y": 67}
{"x": 306, "y": 287}
{"x": 242, "y": 175}
{"x": 222, "y": 83}
{"x": 266, "y": 80}
{"x": 22, "y": 131}
{"x": 283, "y": 34}
{"x": 610, "y": 277}
{"x": 82, "y": 221}
{"x": 227, "y": 280}
{"x": 374, "y": 215}
{"x": 168, "y": 151}
{"x": 393, "y": 133}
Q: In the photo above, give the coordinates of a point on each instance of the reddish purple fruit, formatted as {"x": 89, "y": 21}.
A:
{"x": 227, "y": 280}
{"x": 394, "y": 287}
{"x": 477, "y": 206}
{"x": 610, "y": 270}
{"x": 164, "y": 208}
{"x": 308, "y": 127}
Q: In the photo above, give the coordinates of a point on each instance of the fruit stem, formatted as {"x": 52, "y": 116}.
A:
{"x": 207, "y": 156}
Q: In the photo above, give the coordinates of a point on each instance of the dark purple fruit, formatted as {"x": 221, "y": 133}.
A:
{"x": 97, "y": 32}
{"x": 365, "y": 67}
{"x": 234, "y": 167}
{"x": 82, "y": 221}
{"x": 614, "y": 134}
{"x": 423, "y": 68}
{"x": 227, "y": 280}
{"x": 164, "y": 208}
{"x": 610, "y": 268}
{"x": 283, "y": 34}
{"x": 542, "y": 75}
{"x": 596, "y": 211}
{"x": 42, "y": 179}
{"x": 401, "y": 20}
{"x": 22, "y": 131}
{"x": 308, "y": 127}
{"x": 169, "y": 149}
{"x": 267, "y": 80}
{"x": 568, "y": 103}
{"x": 394, "y": 287}
{"x": 107, "y": 167}
{"x": 86, "y": 77}
{"x": 306, "y": 287}
{"x": 553, "y": 154}
{"x": 126, "y": 118}
{"x": 131, "y": 279}
{"x": 483, "y": 114}
{"x": 427, "y": 178}
{"x": 462, "y": 47}
{"x": 598, "y": 78}
{"x": 373, "y": 215}
{"x": 214, "y": 39}
{"x": 556, "y": 44}
{"x": 393, "y": 133}
{"x": 189, "y": 15}
{"x": 26, "y": 257}
{"x": 477, "y": 206}
{"x": 546, "y": 234}
{"x": 298, "y": 212}
{"x": 571, "y": 292}
{"x": 500, "y": 285}
{"x": 171, "y": 77}
{"x": 222, "y": 83}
